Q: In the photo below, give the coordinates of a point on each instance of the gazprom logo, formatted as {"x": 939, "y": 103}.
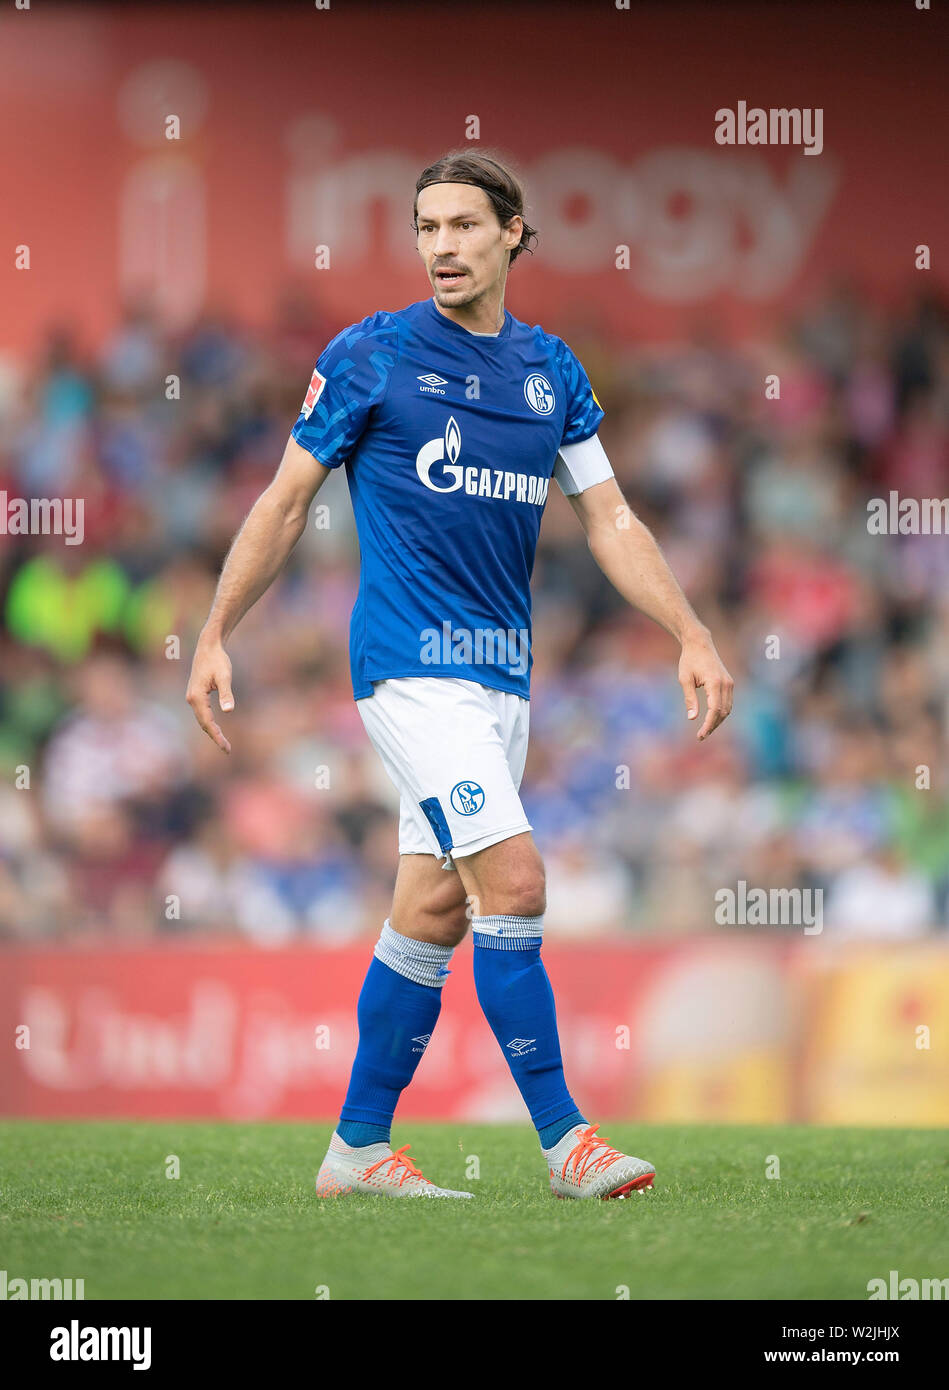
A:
{"x": 435, "y": 451}
{"x": 500, "y": 484}
{"x": 539, "y": 394}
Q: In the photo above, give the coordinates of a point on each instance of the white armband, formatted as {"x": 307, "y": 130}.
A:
{"x": 580, "y": 466}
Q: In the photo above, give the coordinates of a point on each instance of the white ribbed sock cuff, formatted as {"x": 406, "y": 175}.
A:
{"x": 422, "y": 961}
{"x": 507, "y": 933}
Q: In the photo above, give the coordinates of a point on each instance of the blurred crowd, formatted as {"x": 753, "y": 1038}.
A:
{"x": 119, "y": 819}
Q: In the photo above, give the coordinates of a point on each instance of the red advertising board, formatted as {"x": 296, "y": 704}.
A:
{"x": 213, "y": 157}
{"x": 239, "y": 1033}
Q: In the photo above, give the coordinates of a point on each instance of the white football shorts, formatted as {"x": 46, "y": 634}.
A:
{"x": 455, "y": 751}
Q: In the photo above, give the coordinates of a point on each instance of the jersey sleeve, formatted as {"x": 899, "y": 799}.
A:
{"x": 583, "y": 409}
{"x": 581, "y": 460}
{"x": 351, "y": 376}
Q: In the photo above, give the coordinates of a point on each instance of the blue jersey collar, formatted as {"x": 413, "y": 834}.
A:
{"x": 456, "y": 328}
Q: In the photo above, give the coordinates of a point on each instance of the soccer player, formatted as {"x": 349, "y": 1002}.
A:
{"x": 451, "y": 417}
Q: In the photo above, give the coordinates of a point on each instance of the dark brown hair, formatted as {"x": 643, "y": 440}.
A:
{"x": 497, "y": 180}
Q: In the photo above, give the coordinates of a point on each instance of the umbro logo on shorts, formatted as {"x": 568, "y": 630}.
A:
{"x": 425, "y": 1039}
{"x": 521, "y": 1046}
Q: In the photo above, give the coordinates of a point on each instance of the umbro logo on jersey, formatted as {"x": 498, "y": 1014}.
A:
{"x": 521, "y": 1046}
{"x": 432, "y": 384}
{"x": 425, "y": 1039}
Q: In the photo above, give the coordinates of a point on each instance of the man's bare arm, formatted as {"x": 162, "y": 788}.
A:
{"x": 627, "y": 553}
{"x": 257, "y": 555}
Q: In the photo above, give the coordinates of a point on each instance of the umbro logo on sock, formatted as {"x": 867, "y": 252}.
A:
{"x": 521, "y": 1046}
{"x": 425, "y": 1039}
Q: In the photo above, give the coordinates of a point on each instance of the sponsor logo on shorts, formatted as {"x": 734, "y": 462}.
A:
{"x": 425, "y": 1039}
{"x": 467, "y": 798}
{"x": 521, "y": 1046}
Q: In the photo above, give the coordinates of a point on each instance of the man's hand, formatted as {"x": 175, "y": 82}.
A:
{"x": 701, "y": 665}
{"x": 210, "y": 670}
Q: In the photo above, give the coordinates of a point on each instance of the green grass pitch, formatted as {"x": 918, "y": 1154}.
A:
{"x": 92, "y": 1200}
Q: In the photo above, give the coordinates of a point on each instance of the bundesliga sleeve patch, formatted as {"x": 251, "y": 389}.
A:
{"x": 317, "y": 383}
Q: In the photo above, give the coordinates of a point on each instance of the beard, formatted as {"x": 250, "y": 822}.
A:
{"x": 452, "y": 297}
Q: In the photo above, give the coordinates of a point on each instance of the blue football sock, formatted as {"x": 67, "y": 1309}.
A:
{"x": 552, "y": 1134}
{"x": 357, "y": 1135}
{"x": 398, "y": 1008}
{"x": 518, "y": 1002}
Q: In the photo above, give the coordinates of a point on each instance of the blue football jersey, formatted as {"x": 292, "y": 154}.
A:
{"x": 450, "y": 440}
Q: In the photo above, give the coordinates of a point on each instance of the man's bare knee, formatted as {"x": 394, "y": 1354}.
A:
{"x": 430, "y": 904}
{"x": 507, "y": 879}
{"x": 444, "y": 921}
{"x": 526, "y": 896}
